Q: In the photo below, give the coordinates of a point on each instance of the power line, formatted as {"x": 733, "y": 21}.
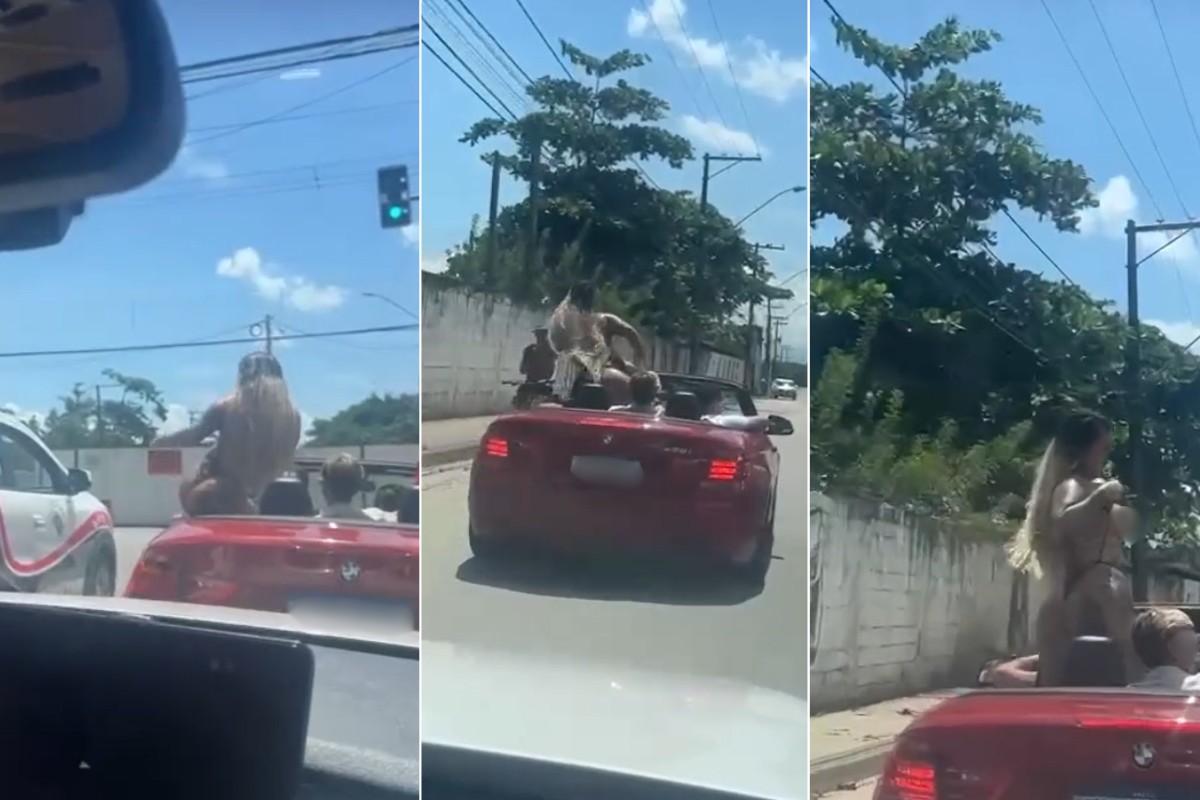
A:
{"x": 674, "y": 61}
{"x": 425, "y": 43}
{"x": 545, "y": 41}
{"x": 696, "y": 60}
{"x": 430, "y": 29}
{"x": 337, "y": 112}
{"x": 142, "y": 348}
{"x": 496, "y": 53}
{"x": 494, "y": 41}
{"x": 737, "y": 88}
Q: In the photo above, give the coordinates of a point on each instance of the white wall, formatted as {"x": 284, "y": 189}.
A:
{"x": 470, "y": 343}
{"x": 119, "y": 477}
{"x": 901, "y": 605}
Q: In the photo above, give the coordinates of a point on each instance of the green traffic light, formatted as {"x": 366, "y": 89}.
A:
{"x": 395, "y": 212}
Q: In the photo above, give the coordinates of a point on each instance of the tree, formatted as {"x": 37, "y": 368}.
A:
{"x": 379, "y": 419}
{"x": 939, "y": 326}
{"x": 677, "y": 266}
{"x": 126, "y": 421}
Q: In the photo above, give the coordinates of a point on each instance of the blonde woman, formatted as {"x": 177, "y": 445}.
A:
{"x": 1072, "y": 538}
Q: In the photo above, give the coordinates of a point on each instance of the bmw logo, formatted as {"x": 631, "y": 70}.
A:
{"x": 608, "y": 438}
{"x": 1143, "y": 755}
{"x": 351, "y": 570}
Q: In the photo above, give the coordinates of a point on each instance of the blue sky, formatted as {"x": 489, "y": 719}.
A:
{"x": 1035, "y": 68}
{"x": 762, "y": 43}
{"x": 288, "y": 208}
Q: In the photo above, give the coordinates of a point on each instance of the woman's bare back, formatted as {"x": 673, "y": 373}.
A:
{"x": 253, "y": 451}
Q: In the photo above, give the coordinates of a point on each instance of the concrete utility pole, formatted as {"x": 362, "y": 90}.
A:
{"x": 1133, "y": 379}
{"x": 751, "y": 354}
{"x": 708, "y": 159}
{"x": 265, "y": 330}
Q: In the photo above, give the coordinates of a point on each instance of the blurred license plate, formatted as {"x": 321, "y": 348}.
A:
{"x": 607, "y": 471}
{"x": 341, "y": 611}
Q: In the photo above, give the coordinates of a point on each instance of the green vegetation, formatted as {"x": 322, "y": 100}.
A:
{"x": 938, "y": 371}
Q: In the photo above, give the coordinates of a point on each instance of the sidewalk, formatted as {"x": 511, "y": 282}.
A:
{"x": 445, "y": 441}
{"x": 848, "y": 747}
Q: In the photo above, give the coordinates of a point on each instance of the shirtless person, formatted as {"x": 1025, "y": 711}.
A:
{"x": 583, "y": 337}
{"x": 1072, "y": 535}
{"x": 258, "y": 430}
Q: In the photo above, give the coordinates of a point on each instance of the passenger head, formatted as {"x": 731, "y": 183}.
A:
{"x": 1165, "y": 637}
{"x": 644, "y": 388}
{"x": 388, "y": 497}
{"x": 583, "y": 295}
{"x": 1081, "y": 443}
{"x": 256, "y": 366}
{"x": 342, "y": 477}
{"x": 712, "y": 399}
{"x": 540, "y": 335}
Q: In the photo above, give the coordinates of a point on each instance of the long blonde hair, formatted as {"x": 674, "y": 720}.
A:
{"x": 1030, "y": 549}
{"x": 269, "y": 423}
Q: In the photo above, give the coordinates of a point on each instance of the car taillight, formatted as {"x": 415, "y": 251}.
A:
{"x": 903, "y": 779}
{"x": 724, "y": 469}
{"x": 496, "y": 447}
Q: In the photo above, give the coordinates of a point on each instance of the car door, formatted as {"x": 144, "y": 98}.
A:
{"x": 36, "y": 517}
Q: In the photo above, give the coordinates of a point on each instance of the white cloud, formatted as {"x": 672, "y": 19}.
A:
{"x": 714, "y": 135}
{"x": 24, "y": 414}
{"x": 1182, "y": 333}
{"x": 272, "y": 282}
{"x": 302, "y": 74}
{"x": 410, "y": 235}
{"x": 178, "y": 418}
{"x": 758, "y": 68}
{"x": 1118, "y": 204}
{"x": 194, "y": 165}
{"x": 437, "y": 263}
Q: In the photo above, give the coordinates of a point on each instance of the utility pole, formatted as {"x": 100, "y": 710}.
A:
{"x": 493, "y": 213}
{"x": 99, "y": 418}
{"x": 751, "y": 354}
{"x": 708, "y": 159}
{"x": 535, "y": 195}
{"x": 776, "y": 343}
{"x": 1133, "y": 378}
{"x": 265, "y": 330}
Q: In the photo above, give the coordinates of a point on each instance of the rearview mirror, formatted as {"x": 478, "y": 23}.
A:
{"x": 779, "y": 426}
{"x": 90, "y": 104}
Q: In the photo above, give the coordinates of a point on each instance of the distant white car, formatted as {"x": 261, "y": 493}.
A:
{"x": 782, "y": 387}
{"x": 55, "y": 536}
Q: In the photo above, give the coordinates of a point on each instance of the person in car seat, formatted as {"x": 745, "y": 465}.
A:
{"x": 1073, "y": 537}
{"x": 712, "y": 405}
{"x": 582, "y": 337}
{"x": 342, "y": 478}
{"x": 1165, "y": 641}
{"x": 257, "y": 430}
{"x": 387, "y": 504}
{"x": 643, "y": 389}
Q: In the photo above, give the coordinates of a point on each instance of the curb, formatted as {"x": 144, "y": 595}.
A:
{"x": 831, "y": 773}
{"x": 448, "y": 455}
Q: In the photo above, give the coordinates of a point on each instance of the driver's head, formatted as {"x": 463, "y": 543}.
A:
{"x": 710, "y": 397}
{"x": 254, "y": 366}
{"x": 342, "y": 477}
{"x": 1165, "y": 637}
{"x": 388, "y": 497}
{"x": 583, "y": 295}
{"x": 644, "y": 388}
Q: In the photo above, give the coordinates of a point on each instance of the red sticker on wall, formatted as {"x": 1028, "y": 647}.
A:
{"x": 164, "y": 462}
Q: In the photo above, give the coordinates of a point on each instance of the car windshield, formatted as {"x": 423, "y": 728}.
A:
{"x": 610, "y": 234}
{"x": 1004, "y": 468}
{"x": 142, "y": 442}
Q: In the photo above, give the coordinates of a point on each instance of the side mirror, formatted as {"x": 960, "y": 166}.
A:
{"x": 93, "y": 106}
{"x": 779, "y": 426}
{"x": 78, "y": 480}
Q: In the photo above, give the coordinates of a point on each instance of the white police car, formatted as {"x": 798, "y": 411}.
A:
{"x": 55, "y": 535}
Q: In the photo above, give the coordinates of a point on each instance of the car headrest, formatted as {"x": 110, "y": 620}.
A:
{"x": 590, "y": 396}
{"x": 1094, "y": 661}
{"x": 683, "y": 405}
{"x": 286, "y": 497}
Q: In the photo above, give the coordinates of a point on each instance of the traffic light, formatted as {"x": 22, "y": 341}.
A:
{"x": 394, "y": 207}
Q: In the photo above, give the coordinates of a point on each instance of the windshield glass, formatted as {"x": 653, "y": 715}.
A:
{"x": 623, "y": 185}
{"x": 1003, "y": 447}
{"x": 230, "y": 351}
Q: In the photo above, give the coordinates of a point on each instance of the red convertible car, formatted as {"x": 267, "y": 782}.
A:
{"x": 580, "y": 478}
{"x": 287, "y": 563}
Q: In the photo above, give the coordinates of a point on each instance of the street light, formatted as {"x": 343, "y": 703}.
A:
{"x": 771, "y": 199}
{"x": 390, "y": 302}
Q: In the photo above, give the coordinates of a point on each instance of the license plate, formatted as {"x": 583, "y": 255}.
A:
{"x": 338, "y": 611}
{"x": 622, "y": 473}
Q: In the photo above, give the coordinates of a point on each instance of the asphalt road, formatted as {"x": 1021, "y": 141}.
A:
{"x": 130, "y": 544}
{"x": 681, "y": 624}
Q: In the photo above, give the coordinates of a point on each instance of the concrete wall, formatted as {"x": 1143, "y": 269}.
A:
{"x": 120, "y": 477}
{"x": 901, "y": 605}
{"x": 471, "y": 343}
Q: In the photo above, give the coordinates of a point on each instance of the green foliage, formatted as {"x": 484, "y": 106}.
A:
{"x": 955, "y": 352}
{"x": 674, "y": 266}
{"x": 128, "y": 420}
{"x": 379, "y": 419}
